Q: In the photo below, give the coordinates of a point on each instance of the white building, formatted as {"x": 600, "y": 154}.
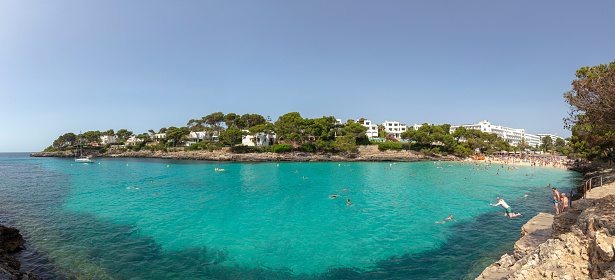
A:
{"x": 107, "y": 139}
{"x": 394, "y": 128}
{"x": 511, "y": 135}
{"x": 372, "y": 129}
{"x": 338, "y": 121}
{"x": 200, "y": 136}
{"x": 532, "y": 140}
{"x": 261, "y": 139}
{"x": 133, "y": 141}
{"x": 553, "y": 137}
{"x": 160, "y": 135}
{"x": 417, "y": 126}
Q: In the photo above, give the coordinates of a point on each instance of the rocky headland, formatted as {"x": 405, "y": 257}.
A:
{"x": 10, "y": 242}
{"x": 363, "y": 154}
{"x": 576, "y": 244}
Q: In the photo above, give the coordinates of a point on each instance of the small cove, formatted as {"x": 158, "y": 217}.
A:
{"x": 262, "y": 220}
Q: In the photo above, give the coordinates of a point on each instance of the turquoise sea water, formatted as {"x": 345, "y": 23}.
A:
{"x": 264, "y": 220}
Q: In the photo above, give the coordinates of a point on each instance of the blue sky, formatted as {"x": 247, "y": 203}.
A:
{"x": 70, "y": 66}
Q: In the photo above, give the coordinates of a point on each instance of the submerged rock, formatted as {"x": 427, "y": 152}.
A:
{"x": 10, "y": 241}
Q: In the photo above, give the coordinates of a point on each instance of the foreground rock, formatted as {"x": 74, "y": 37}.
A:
{"x": 363, "y": 155}
{"x": 10, "y": 241}
{"x": 581, "y": 249}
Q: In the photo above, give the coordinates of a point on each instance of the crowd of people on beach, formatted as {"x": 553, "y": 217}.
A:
{"x": 538, "y": 161}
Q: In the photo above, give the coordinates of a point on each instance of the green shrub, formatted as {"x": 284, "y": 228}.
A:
{"x": 383, "y": 146}
{"x": 282, "y": 148}
{"x": 324, "y": 146}
{"x": 307, "y": 147}
{"x": 363, "y": 141}
{"x": 197, "y": 146}
{"x": 246, "y": 149}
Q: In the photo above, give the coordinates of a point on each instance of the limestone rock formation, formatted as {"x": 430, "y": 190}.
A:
{"x": 580, "y": 244}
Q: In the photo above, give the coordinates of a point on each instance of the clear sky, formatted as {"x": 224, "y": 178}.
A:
{"x": 70, "y": 66}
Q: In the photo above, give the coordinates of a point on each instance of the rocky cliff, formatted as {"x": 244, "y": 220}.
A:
{"x": 580, "y": 245}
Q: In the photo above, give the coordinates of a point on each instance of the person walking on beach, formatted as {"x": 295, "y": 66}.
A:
{"x": 508, "y": 209}
{"x": 555, "y": 200}
{"x": 563, "y": 201}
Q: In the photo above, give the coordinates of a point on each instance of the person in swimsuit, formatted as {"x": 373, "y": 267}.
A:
{"x": 348, "y": 201}
{"x": 555, "y": 200}
{"x": 450, "y": 218}
{"x": 563, "y": 201}
{"x": 508, "y": 209}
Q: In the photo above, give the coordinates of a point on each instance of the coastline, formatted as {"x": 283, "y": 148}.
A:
{"x": 361, "y": 156}
{"x": 576, "y": 244}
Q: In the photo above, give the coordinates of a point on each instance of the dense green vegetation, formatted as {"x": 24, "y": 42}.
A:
{"x": 294, "y": 133}
{"x": 592, "y": 113}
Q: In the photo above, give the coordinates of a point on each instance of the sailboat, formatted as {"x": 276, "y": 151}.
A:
{"x": 81, "y": 158}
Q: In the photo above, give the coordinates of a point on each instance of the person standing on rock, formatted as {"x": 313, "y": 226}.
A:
{"x": 508, "y": 209}
{"x": 555, "y": 200}
{"x": 563, "y": 201}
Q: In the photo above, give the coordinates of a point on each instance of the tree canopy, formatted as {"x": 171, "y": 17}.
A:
{"x": 592, "y": 111}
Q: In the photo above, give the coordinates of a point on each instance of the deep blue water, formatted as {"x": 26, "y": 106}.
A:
{"x": 265, "y": 221}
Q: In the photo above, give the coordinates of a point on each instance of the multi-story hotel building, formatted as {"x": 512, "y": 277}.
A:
{"x": 511, "y": 135}
{"x": 553, "y": 137}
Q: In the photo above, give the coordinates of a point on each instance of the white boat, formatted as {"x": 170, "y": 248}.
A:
{"x": 81, "y": 158}
{"x": 84, "y": 159}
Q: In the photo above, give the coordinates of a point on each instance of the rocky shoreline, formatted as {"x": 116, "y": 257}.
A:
{"x": 576, "y": 244}
{"x": 361, "y": 156}
{"x": 10, "y": 242}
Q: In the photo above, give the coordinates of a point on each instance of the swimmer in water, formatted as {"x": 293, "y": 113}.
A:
{"x": 152, "y": 181}
{"x": 439, "y": 181}
{"x": 333, "y": 196}
{"x": 156, "y": 193}
{"x": 348, "y": 202}
{"x": 343, "y": 190}
{"x": 296, "y": 171}
{"x": 450, "y": 218}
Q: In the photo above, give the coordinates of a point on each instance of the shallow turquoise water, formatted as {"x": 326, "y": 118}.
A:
{"x": 264, "y": 221}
